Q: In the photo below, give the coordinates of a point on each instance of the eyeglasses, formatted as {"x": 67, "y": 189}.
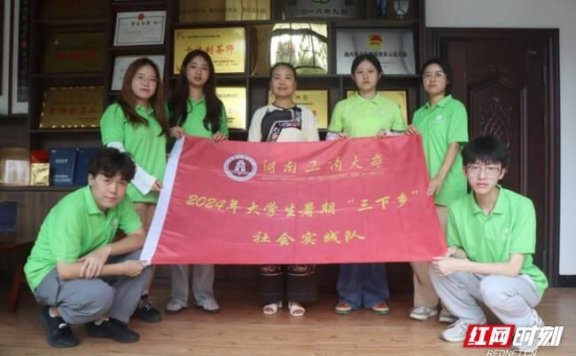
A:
{"x": 435, "y": 75}
{"x": 490, "y": 171}
{"x": 143, "y": 79}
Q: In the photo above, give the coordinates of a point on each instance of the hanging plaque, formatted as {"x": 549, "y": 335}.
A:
{"x": 226, "y": 46}
{"x": 72, "y": 107}
{"x": 234, "y": 99}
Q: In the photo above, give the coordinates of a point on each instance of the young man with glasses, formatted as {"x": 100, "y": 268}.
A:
{"x": 491, "y": 236}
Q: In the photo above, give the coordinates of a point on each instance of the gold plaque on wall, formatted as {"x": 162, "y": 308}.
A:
{"x": 315, "y": 100}
{"x": 247, "y": 10}
{"x": 226, "y": 46}
{"x": 400, "y": 97}
{"x": 223, "y": 10}
{"x": 322, "y": 9}
{"x": 202, "y": 10}
{"x": 72, "y": 107}
{"x": 234, "y": 99}
{"x": 73, "y": 53}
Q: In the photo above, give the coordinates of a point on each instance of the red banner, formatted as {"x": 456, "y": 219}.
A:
{"x": 355, "y": 200}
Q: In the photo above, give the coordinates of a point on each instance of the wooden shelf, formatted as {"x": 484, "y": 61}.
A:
{"x": 66, "y": 131}
{"x": 37, "y": 188}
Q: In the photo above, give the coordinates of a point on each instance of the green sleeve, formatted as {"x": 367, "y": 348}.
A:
{"x": 336, "y": 124}
{"x": 112, "y": 124}
{"x": 523, "y": 234}
{"x": 223, "y": 121}
{"x": 458, "y": 129}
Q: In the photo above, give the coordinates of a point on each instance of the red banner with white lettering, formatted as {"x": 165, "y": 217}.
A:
{"x": 354, "y": 200}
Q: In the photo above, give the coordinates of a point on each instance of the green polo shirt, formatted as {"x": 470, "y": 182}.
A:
{"x": 486, "y": 238}
{"x": 142, "y": 143}
{"x": 440, "y": 125}
{"x": 360, "y": 117}
{"x": 194, "y": 124}
{"x": 74, "y": 227}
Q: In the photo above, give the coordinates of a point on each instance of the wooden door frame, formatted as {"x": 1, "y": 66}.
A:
{"x": 434, "y": 38}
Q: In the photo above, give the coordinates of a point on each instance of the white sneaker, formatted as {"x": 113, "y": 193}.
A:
{"x": 457, "y": 331}
{"x": 209, "y": 305}
{"x": 530, "y": 345}
{"x": 422, "y": 313}
{"x": 173, "y": 307}
{"x": 446, "y": 317}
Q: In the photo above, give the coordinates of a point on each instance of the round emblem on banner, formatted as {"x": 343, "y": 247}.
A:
{"x": 240, "y": 168}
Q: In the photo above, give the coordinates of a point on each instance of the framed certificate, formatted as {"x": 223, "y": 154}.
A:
{"x": 226, "y": 46}
{"x": 234, "y": 99}
{"x": 140, "y": 28}
{"x": 394, "y": 48}
{"x": 121, "y": 63}
{"x": 315, "y": 100}
{"x": 400, "y": 97}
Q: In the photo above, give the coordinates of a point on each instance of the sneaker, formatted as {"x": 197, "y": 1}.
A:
{"x": 209, "y": 305}
{"x": 112, "y": 329}
{"x": 173, "y": 306}
{"x": 343, "y": 308}
{"x": 457, "y": 331}
{"x": 146, "y": 311}
{"x": 529, "y": 342}
{"x": 446, "y": 317}
{"x": 381, "y": 308}
{"x": 58, "y": 332}
{"x": 422, "y": 313}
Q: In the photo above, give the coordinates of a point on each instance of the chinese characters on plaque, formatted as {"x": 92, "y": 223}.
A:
{"x": 73, "y": 52}
{"x": 393, "y": 47}
{"x": 226, "y": 46}
{"x": 223, "y": 10}
{"x": 323, "y": 9}
{"x": 72, "y": 107}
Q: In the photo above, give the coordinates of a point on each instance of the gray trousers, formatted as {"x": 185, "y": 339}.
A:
{"x": 511, "y": 299}
{"x": 80, "y": 301}
{"x": 202, "y": 283}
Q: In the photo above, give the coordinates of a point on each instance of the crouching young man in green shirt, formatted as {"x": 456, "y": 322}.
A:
{"x": 491, "y": 237}
{"x": 77, "y": 271}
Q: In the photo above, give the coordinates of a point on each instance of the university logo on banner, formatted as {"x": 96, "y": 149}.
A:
{"x": 355, "y": 200}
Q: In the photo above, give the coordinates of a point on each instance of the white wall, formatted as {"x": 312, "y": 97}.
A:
{"x": 533, "y": 14}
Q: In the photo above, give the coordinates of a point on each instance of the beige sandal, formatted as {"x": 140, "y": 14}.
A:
{"x": 272, "y": 308}
{"x": 296, "y": 309}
